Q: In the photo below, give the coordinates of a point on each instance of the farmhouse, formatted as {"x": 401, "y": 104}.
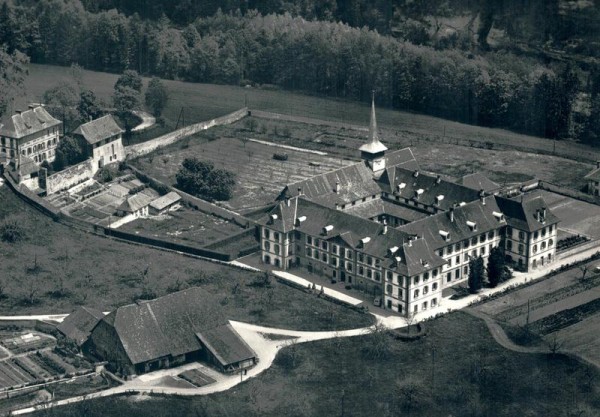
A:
{"x": 593, "y": 180}
{"x": 102, "y": 139}
{"x": 29, "y": 138}
{"x": 168, "y": 331}
{"x": 165, "y": 203}
{"x": 390, "y": 230}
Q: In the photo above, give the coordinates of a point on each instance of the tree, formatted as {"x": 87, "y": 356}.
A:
{"x": 410, "y": 394}
{"x": 497, "y": 270}
{"x": 12, "y": 75}
{"x": 130, "y": 79}
{"x": 61, "y": 101}
{"x": 89, "y": 106}
{"x": 68, "y": 152}
{"x": 378, "y": 345}
{"x": 476, "y": 271}
{"x": 156, "y": 96}
{"x": 202, "y": 179}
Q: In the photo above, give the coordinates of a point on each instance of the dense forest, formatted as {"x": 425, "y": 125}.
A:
{"x": 335, "y": 48}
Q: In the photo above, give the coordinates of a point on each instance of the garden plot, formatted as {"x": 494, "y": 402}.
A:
{"x": 183, "y": 226}
{"x": 259, "y": 177}
{"x": 577, "y": 217}
{"x": 581, "y": 338}
{"x": 26, "y": 342}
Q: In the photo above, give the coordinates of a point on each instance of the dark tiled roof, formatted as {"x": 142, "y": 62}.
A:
{"x": 594, "y": 175}
{"x": 430, "y": 187}
{"x": 78, "y": 325}
{"x": 480, "y": 214}
{"x": 136, "y": 202}
{"x": 522, "y": 214}
{"x": 355, "y": 182}
{"x": 27, "y": 123}
{"x": 99, "y": 129}
{"x": 166, "y": 325}
{"x": 226, "y": 345}
{"x": 350, "y": 229}
{"x": 477, "y": 181}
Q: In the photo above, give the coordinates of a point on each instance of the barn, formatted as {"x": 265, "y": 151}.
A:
{"x": 78, "y": 325}
{"x": 166, "y": 332}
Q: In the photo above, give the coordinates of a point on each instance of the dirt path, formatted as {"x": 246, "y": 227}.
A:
{"x": 147, "y": 121}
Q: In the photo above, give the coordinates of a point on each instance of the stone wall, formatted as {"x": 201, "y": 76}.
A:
{"x": 162, "y": 141}
{"x": 69, "y": 177}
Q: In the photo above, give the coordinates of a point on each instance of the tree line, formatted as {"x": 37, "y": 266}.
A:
{"x": 320, "y": 57}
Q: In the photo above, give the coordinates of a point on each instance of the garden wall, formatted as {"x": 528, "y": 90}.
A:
{"x": 548, "y": 186}
{"x": 69, "y": 177}
{"x": 172, "y": 137}
{"x": 195, "y": 202}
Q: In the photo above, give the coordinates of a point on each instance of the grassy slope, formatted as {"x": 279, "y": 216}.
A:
{"x": 108, "y": 273}
{"x": 473, "y": 377}
{"x": 204, "y": 101}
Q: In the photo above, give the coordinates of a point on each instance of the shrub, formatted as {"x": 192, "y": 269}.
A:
{"x": 203, "y": 180}
{"x": 11, "y": 231}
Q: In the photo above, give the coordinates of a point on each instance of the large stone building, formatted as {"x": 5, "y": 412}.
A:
{"x": 102, "y": 139}
{"x": 390, "y": 230}
{"x": 27, "y": 139}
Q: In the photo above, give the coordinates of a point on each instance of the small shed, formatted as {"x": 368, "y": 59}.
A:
{"x": 165, "y": 203}
{"x": 78, "y": 325}
{"x": 226, "y": 349}
{"x": 137, "y": 204}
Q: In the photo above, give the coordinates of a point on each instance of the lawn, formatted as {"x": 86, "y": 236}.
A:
{"x": 259, "y": 177}
{"x": 205, "y": 101}
{"x": 56, "y": 268}
{"x": 456, "y": 370}
{"x": 186, "y": 226}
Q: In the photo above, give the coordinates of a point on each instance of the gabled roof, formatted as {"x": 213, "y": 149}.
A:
{"x": 135, "y": 202}
{"x": 26, "y": 123}
{"x": 477, "y": 181}
{"x": 454, "y": 222}
{"x": 526, "y": 212}
{"x": 166, "y": 325}
{"x": 424, "y": 188}
{"x": 352, "y": 230}
{"x": 373, "y": 145}
{"x": 226, "y": 345}
{"x": 594, "y": 175}
{"x": 165, "y": 201}
{"x": 78, "y": 325}
{"x": 99, "y": 129}
{"x": 355, "y": 182}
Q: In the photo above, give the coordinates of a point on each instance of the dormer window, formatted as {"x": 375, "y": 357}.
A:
{"x": 416, "y": 174}
{"x": 272, "y": 218}
{"x": 419, "y": 192}
{"x": 499, "y": 216}
{"x": 445, "y": 235}
{"x": 327, "y": 229}
{"x": 472, "y": 225}
{"x": 392, "y": 250}
{"x": 364, "y": 241}
{"x": 401, "y": 186}
{"x": 438, "y": 199}
{"x": 299, "y": 220}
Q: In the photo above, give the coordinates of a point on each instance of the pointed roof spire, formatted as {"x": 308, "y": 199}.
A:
{"x": 373, "y": 145}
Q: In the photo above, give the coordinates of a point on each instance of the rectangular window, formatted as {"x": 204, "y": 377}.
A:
{"x": 324, "y": 245}
{"x": 361, "y": 257}
{"x": 377, "y": 276}
{"x": 457, "y": 274}
{"x": 389, "y": 275}
{"x": 449, "y": 277}
{"x": 276, "y": 236}
{"x": 335, "y": 249}
{"x": 348, "y": 254}
{"x": 369, "y": 273}
{"x": 266, "y": 233}
{"x": 308, "y": 252}
{"x": 309, "y": 240}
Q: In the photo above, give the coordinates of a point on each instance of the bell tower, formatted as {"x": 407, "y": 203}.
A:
{"x": 373, "y": 152}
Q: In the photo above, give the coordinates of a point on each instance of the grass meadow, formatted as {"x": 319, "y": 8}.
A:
{"x": 55, "y": 268}
{"x": 441, "y": 374}
{"x": 205, "y": 101}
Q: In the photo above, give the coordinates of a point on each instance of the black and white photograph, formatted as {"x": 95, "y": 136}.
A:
{"x": 328, "y": 208}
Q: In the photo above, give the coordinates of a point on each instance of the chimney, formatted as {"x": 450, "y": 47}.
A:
{"x": 482, "y": 196}
{"x": 451, "y": 214}
{"x": 438, "y": 179}
{"x": 337, "y": 187}
{"x": 337, "y": 206}
{"x": 385, "y": 229}
{"x": 416, "y": 174}
{"x": 544, "y": 212}
{"x": 287, "y": 202}
{"x": 299, "y": 190}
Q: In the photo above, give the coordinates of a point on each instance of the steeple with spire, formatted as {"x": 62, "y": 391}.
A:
{"x": 373, "y": 152}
